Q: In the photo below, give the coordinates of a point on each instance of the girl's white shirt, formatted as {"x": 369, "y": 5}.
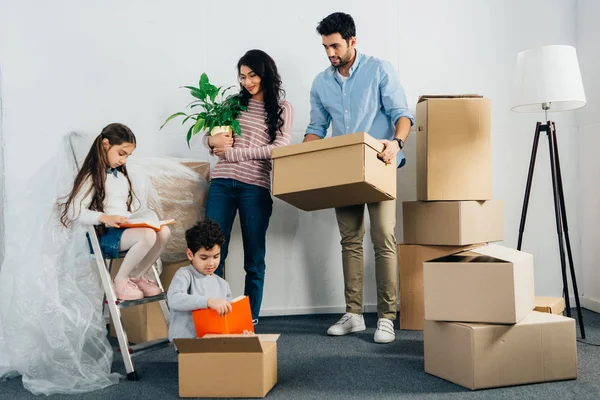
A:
{"x": 115, "y": 200}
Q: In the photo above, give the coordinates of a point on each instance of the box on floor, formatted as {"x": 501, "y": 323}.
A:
{"x": 410, "y": 266}
{"x": 227, "y": 365}
{"x": 453, "y": 148}
{"x": 491, "y": 284}
{"x": 334, "y": 172}
{"x": 541, "y": 347}
{"x": 552, "y": 305}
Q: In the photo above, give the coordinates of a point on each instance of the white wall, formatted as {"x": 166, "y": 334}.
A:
{"x": 2, "y": 174}
{"x": 73, "y": 66}
{"x": 588, "y": 47}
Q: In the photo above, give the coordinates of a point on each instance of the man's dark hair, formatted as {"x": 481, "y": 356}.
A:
{"x": 205, "y": 234}
{"x": 337, "y": 23}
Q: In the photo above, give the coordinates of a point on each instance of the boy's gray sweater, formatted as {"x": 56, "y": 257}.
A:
{"x": 189, "y": 290}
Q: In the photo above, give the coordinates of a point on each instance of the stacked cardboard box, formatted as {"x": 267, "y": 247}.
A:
{"x": 454, "y": 211}
{"x": 480, "y": 330}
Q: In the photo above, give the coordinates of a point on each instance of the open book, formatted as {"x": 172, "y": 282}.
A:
{"x": 146, "y": 219}
{"x": 208, "y": 321}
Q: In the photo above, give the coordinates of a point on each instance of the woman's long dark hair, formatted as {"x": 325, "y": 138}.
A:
{"x": 95, "y": 165}
{"x": 263, "y": 65}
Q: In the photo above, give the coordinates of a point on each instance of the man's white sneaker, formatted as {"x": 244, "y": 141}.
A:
{"x": 385, "y": 331}
{"x": 347, "y": 324}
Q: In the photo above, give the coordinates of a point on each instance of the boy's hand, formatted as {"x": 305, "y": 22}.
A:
{"x": 247, "y": 332}
{"x": 221, "y": 306}
{"x": 112, "y": 220}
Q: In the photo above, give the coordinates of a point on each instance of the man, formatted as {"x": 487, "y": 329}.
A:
{"x": 359, "y": 93}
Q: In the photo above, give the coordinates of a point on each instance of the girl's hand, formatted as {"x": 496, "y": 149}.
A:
{"x": 220, "y": 151}
{"x": 247, "y": 332}
{"x": 221, "y": 306}
{"x": 112, "y": 220}
{"x": 224, "y": 140}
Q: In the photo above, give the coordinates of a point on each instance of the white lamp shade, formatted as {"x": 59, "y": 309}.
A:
{"x": 548, "y": 74}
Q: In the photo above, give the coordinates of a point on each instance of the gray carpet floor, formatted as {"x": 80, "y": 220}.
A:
{"x": 315, "y": 366}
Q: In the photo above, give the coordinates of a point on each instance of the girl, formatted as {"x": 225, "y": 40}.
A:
{"x": 241, "y": 179}
{"x": 102, "y": 195}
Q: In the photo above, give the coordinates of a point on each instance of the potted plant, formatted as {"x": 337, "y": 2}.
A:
{"x": 218, "y": 113}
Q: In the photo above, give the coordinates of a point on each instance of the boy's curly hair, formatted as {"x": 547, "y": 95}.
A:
{"x": 205, "y": 234}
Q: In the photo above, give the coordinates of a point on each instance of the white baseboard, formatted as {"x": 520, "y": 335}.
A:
{"x": 586, "y": 302}
{"x": 271, "y": 312}
{"x": 590, "y": 304}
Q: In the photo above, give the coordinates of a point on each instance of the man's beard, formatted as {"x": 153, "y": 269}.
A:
{"x": 343, "y": 61}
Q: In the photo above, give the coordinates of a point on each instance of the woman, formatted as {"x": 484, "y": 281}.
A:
{"x": 241, "y": 179}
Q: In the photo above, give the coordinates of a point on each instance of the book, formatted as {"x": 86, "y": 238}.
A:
{"x": 208, "y": 321}
{"x": 146, "y": 219}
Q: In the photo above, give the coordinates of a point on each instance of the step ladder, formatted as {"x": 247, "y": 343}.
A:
{"x": 104, "y": 265}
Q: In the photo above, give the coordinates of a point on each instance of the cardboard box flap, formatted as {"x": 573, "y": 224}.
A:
{"x": 263, "y": 337}
{"x": 318, "y": 145}
{"x": 246, "y": 344}
{"x": 504, "y": 253}
{"x": 448, "y": 96}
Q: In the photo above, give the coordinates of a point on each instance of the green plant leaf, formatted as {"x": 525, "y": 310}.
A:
{"x": 198, "y": 126}
{"x": 203, "y": 81}
{"x": 188, "y": 117}
{"x": 197, "y": 93}
{"x": 189, "y": 136}
{"x": 236, "y": 127}
{"x": 171, "y": 117}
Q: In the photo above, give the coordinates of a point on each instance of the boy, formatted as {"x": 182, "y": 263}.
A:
{"x": 196, "y": 286}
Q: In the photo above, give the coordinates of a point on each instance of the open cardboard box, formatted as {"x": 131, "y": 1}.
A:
{"x": 227, "y": 365}
{"x": 334, "y": 172}
{"x": 491, "y": 284}
{"x": 410, "y": 265}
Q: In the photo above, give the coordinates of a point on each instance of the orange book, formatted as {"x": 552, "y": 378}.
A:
{"x": 146, "y": 219}
{"x": 207, "y": 320}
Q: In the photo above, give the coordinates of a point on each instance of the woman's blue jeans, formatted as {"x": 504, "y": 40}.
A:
{"x": 225, "y": 198}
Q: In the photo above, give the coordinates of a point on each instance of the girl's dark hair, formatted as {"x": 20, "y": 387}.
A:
{"x": 205, "y": 234}
{"x": 337, "y": 23}
{"x": 263, "y": 65}
{"x": 95, "y": 166}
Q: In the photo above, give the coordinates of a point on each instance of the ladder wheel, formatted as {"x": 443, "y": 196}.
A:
{"x": 133, "y": 376}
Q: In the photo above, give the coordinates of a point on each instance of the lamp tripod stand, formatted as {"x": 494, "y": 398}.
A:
{"x": 559, "y": 211}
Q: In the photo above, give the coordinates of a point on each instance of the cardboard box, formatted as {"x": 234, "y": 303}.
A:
{"x": 410, "y": 265}
{"x": 488, "y": 284}
{"x": 227, "y": 365}
{"x": 169, "y": 270}
{"x": 552, "y": 305}
{"x": 452, "y": 223}
{"x": 453, "y": 149}
{"x": 334, "y": 172}
{"x": 540, "y": 348}
{"x": 146, "y": 322}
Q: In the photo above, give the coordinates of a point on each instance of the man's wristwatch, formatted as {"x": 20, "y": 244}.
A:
{"x": 400, "y": 142}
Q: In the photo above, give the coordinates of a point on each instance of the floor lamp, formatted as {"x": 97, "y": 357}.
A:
{"x": 548, "y": 79}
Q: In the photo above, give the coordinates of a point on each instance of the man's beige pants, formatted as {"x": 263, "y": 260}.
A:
{"x": 352, "y": 230}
